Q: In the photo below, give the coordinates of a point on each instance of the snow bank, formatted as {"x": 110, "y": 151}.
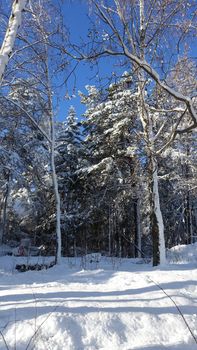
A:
{"x": 183, "y": 253}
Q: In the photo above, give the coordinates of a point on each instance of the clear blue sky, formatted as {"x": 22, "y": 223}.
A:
{"x": 76, "y": 19}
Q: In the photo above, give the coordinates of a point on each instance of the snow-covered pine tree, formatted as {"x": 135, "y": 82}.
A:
{"x": 68, "y": 160}
{"x": 111, "y": 148}
{"x": 26, "y": 158}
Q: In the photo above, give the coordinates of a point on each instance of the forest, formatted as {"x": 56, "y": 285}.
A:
{"x": 117, "y": 174}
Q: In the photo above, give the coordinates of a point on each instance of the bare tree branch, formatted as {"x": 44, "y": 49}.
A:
{"x": 32, "y": 120}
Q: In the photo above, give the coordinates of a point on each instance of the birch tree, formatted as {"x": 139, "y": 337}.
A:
{"x": 10, "y": 36}
{"x": 5, "y": 52}
{"x": 30, "y": 58}
{"x": 39, "y": 21}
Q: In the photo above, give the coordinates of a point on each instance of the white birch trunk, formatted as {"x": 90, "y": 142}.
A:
{"x": 158, "y": 214}
{"x": 54, "y": 175}
{"x": 57, "y": 196}
{"x": 149, "y": 138}
{"x": 10, "y": 36}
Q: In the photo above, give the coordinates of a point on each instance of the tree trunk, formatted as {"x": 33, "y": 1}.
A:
{"x": 157, "y": 226}
{"x": 10, "y": 36}
{"x": 156, "y": 219}
{"x": 57, "y": 201}
{"x": 54, "y": 175}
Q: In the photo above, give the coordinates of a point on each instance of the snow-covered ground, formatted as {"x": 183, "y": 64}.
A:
{"x": 112, "y": 305}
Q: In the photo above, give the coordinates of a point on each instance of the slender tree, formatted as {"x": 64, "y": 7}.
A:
{"x": 34, "y": 49}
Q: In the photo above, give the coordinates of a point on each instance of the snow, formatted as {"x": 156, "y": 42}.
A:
{"x": 183, "y": 253}
{"x": 108, "y": 305}
{"x": 106, "y": 162}
{"x": 20, "y": 201}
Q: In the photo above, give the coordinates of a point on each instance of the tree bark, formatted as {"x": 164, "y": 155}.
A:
{"x": 57, "y": 200}
{"x": 11, "y": 32}
{"x": 53, "y": 169}
{"x": 157, "y": 225}
{"x": 54, "y": 176}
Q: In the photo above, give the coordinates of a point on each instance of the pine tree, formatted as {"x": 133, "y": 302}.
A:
{"x": 68, "y": 160}
{"x": 111, "y": 139}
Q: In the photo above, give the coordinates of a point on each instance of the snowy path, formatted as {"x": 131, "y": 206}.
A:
{"x": 99, "y": 309}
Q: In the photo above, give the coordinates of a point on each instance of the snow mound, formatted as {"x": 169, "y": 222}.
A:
{"x": 183, "y": 253}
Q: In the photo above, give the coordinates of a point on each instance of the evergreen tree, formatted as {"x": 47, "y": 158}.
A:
{"x": 68, "y": 159}
{"x": 111, "y": 137}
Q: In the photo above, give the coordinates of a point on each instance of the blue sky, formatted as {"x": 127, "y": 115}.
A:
{"x": 76, "y": 19}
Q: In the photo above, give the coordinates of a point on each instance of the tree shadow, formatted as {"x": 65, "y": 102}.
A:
{"x": 181, "y": 346}
{"x": 84, "y": 294}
